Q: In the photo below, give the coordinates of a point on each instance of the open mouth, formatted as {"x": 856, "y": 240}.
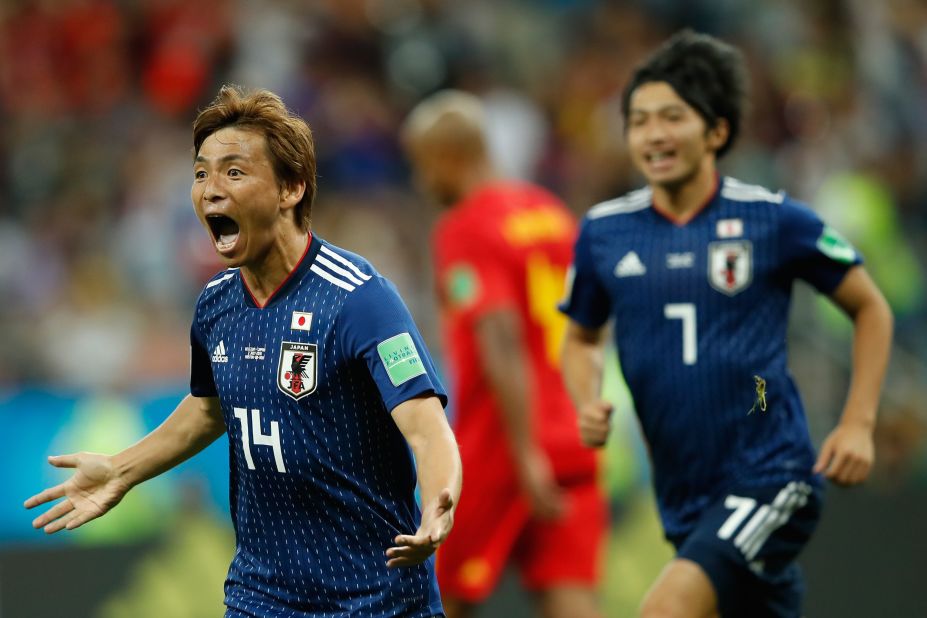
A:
{"x": 224, "y": 231}
{"x": 659, "y": 157}
{"x": 661, "y": 161}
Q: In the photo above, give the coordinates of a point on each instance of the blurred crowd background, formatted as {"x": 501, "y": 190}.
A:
{"x": 101, "y": 257}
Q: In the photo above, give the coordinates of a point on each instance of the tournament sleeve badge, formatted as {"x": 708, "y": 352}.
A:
{"x": 461, "y": 285}
{"x": 835, "y": 246}
{"x": 297, "y": 369}
{"x": 730, "y": 265}
{"x": 400, "y": 358}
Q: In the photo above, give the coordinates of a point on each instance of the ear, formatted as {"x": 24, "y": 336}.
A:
{"x": 290, "y": 195}
{"x": 718, "y": 135}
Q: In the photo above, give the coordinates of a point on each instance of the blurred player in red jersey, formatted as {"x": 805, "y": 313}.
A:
{"x": 501, "y": 251}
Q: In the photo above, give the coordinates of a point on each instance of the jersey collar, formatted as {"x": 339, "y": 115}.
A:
{"x": 312, "y": 248}
{"x": 684, "y": 220}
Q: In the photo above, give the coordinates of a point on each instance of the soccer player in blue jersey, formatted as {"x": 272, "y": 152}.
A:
{"x": 695, "y": 273}
{"x": 309, "y": 361}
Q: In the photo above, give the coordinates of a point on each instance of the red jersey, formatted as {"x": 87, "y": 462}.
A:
{"x": 508, "y": 245}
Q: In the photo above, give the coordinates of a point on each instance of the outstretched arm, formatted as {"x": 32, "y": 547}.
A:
{"x": 99, "y": 481}
{"x": 581, "y": 363}
{"x": 848, "y": 452}
{"x": 424, "y": 425}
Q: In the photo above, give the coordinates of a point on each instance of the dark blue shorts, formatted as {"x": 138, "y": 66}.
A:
{"x": 747, "y": 543}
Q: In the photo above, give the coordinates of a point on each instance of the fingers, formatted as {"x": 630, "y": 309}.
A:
{"x": 843, "y": 466}
{"x": 827, "y": 452}
{"x": 52, "y": 493}
{"x": 409, "y": 540}
{"x": 62, "y": 508}
{"x": 64, "y": 461}
{"x": 410, "y": 550}
{"x": 595, "y": 423}
{"x": 60, "y": 524}
{"x": 392, "y": 563}
{"x": 553, "y": 507}
{"x": 79, "y": 518}
{"x": 849, "y": 469}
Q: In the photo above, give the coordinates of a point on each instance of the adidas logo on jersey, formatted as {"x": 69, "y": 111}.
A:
{"x": 630, "y": 266}
{"x": 219, "y": 355}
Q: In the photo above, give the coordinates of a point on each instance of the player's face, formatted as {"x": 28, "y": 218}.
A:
{"x": 669, "y": 141}
{"x": 237, "y": 196}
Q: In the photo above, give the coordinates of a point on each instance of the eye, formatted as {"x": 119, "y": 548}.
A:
{"x": 235, "y": 172}
{"x": 199, "y": 175}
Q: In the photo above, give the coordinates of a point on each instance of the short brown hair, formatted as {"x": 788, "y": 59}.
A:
{"x": 705, "y": 72}
{"x": 288, "y": 137}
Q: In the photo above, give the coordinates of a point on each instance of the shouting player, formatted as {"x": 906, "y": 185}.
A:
{"x": 501, "y": 253}
{"x": 696, "y": 272}
{"x": 310, "y": 362}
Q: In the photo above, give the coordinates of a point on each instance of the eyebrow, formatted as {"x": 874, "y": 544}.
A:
{"x": 222, "y": 159}
{"x": 662, "y": 108}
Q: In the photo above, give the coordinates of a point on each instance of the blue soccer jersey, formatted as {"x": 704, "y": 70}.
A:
{"x": 321, "y": 478}
{"x": 700, "y": 314}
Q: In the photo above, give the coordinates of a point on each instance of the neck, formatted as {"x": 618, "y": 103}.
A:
{"x": 684, "y": 199}
{"x": 475, "y": 177}
{"x": 268, "y": 273}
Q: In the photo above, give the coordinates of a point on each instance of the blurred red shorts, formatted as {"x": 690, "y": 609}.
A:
{"x": 492, "y": 527}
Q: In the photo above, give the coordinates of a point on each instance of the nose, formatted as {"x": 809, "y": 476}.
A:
{"x": 654, "y": 131}
{"x": 212, "y": 190}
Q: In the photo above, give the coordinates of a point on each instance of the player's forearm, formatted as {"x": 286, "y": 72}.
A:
{"x": 439, "y": 467}
{"x": 504, "y": 363}
{"x": 193, "y": 425}
{"x": 581, "y": 364}
{"x": 872, "y": 340}
{"x": 511, "y": 394}
{"x": 424, "y": 426}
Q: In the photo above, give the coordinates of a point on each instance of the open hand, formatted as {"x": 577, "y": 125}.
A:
{"x": 94, "y": 489}
{"x": 437, "y": 521}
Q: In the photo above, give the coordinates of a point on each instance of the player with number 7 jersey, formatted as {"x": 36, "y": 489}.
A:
{"x": 695, "y": 273}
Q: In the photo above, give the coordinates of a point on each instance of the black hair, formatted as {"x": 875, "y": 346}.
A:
{"x": 705, "y": 72}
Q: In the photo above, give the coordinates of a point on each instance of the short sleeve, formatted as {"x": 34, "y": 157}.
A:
{"x": 472, "y": 277}
{"x": 378, "y": 329}
{"x": 202, "y": 383}
{"x": 812, "y": 250}
{"x": 586, "y": 302}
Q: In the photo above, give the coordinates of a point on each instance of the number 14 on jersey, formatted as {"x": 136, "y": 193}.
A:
{"x": 260, "y": 439}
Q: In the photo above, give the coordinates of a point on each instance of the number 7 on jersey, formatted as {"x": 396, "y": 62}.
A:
{"x": 686, "y": 313}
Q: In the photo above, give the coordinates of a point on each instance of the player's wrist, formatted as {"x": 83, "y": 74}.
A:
{"x": 856, "y": 421}
{"x": 124, "y": 471}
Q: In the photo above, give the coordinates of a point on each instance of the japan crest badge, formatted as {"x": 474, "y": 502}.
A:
{"x": 297, "y": 369}
{"x": 730, "y": 265}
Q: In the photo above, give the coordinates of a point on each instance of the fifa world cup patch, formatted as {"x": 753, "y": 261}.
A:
{"x": 400, "y": 358}
{"x": 461, "y": 285}
{"x": 297, "y": 369}
{"x": 835, "y": 246}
